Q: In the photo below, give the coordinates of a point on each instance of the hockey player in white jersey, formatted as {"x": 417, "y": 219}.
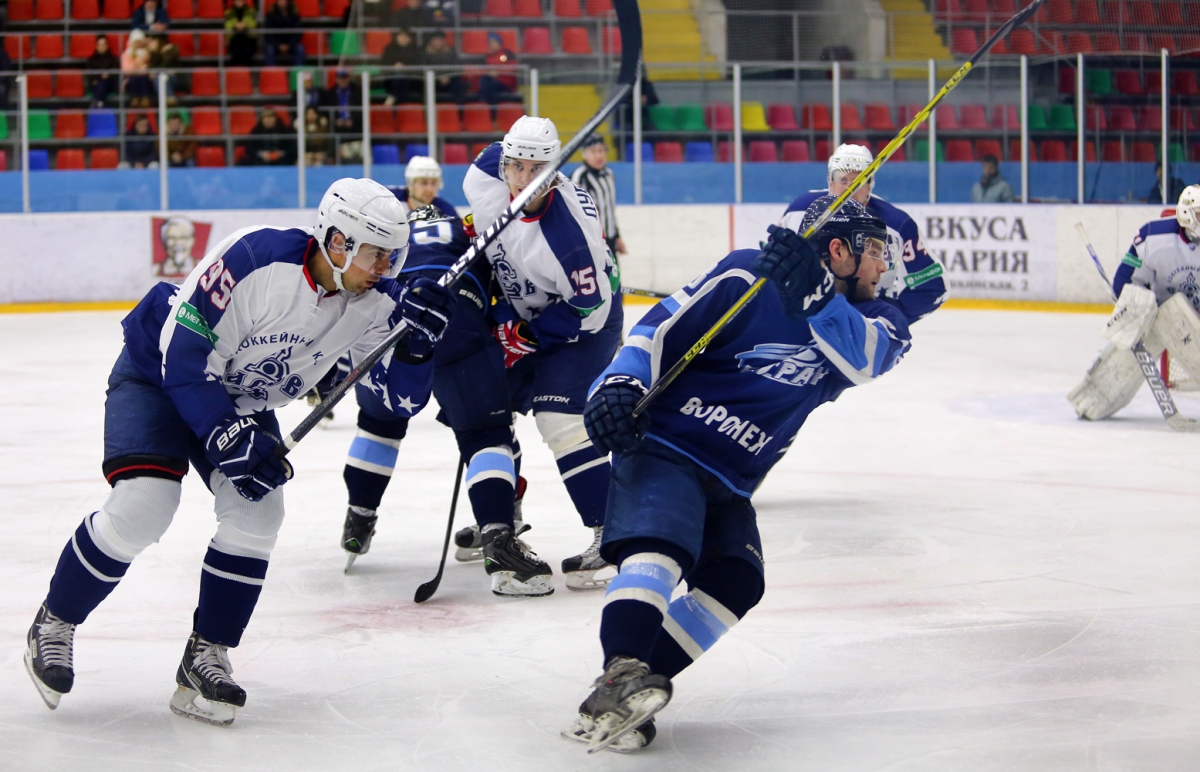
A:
{"x": 204, "y": 365}
{"x": 558, "y": 321}
{"x": 1158, "y": 293}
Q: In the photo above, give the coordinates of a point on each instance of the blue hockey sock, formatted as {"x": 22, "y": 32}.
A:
{"x": 369, "y": 465}
{"x": 634, "y": 605}
{"x": 229, "y": 589}
{"x": 84, "y": 577}
{"x": 491, "y": 485}
{"x": 585, "y": 471}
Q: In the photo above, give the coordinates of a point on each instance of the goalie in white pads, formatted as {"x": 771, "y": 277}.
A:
{"x": 1158, "y": 294}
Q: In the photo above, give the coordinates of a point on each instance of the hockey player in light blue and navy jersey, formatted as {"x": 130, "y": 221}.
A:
{"x": 204, "y": 366}
{"x": 915, "y": 283}
{"x": 685, "y": 469}
{"x": 559, "y": 316}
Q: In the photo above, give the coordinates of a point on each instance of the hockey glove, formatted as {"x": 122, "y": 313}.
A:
{"x": 516, "y": 339}
{"x": 608, "y": 415}
{"x": 245, "y": 453}
{"x": 791, "y": 262}
{"x": 427, "y": 307}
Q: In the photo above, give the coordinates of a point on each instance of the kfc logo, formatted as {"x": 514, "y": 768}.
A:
{"x": 179, "y": 244}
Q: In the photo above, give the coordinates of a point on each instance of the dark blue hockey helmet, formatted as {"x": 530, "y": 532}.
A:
{"x": 852, "y": 223}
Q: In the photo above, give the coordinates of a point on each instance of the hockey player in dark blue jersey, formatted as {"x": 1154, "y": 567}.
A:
{"x": 915, "y": 284}
{"x": 684, "y": 471}
{"x": 203, "y": 368}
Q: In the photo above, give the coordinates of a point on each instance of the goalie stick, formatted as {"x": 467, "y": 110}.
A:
{"x": 858, "y": 182}
{"x": 630, "y": 22}
{"x": 1162, "y": 395}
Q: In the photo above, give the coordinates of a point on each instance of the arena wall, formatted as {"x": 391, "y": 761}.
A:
{"x": 998, "y": 252}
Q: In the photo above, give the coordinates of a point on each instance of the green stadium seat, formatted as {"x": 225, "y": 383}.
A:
{"x": 342, "y": 43}
{"x": 664, "y": 118}
{"x": 690, "y": 118}
{"x": 921, "y": 151}
{"x": 1098, "y": 82}
{"x": 39, "y": 125}
{"x": 1062, "y": 117}
{"x": 1037, "y": 118}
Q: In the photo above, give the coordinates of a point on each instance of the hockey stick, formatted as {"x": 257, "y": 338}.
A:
{"x": 426, "y": 591}
{"x": 630, "y": 22}
{"x": 858, "y": 182}
{"x": 1162, "y": 395}
{"x": 644, "y": 293}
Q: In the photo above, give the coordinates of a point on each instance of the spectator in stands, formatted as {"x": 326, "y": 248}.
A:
{"x": 181, "y": 147}
{"x": 141, "y": 144}
{"x": 150, "y": 17}
{"x": 402, "y": 51}
{"x": 992, "y": 188}
{"x": 240, "y": 30}
{"x": 102, "y": 58}
{"x": 346, "y": 100}
{"x": 499, "y": 82}
{"x": 274, "y": 144}
{"x": 283, "y": 45}
{"x": 135, "y": 63}
{"x": 164, "y": 55}
{"x": 318, "y": 146}
{"x": 450, "y": 87}
{"x": 414, "y": 15}
{"x": 1155, "y": 194}
{"x": 623, "y": 115}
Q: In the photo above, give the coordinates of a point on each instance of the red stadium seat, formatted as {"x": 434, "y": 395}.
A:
{"x": 821, "y": 150}
{"x": 781, "y": 117}
{"x": 82, "y": 46}
{"x": 1159, "y": 42}
{"x": 1087, "y": 12}
{"x": 474, "y": 41}
{"x": 49, "y": 47}
{"x": 447, "y": 120}
{"x": 210, "y": 9}
{"x": 210, "y": 156}
{"x": 498, "y": 8}
{"x": 308, "y": 9}
{"x": 1143, "y": 152}
{"x": 899, "y": 155}
{"x": 536, "y": 41}
{"x": 273, "y": 81}
{"x": 1153, "y": 82}
{"x": 1021, "y": 41}
{"x": 383, "y": 120}
{"x": 796, "y": 151}
{"x": 39, "y": 84}
{"x": 1060, "y": 11}
{"x": 1054, "y": 150}
{"x": 70, "y": 124}
{"x": 49, "y": 10}
{"x": 181, "y": 9}
{"x": 337, "y": 8}
{"x": 1182, "y": 119}
{"x": 950, "y": 9}
{"x": 1089, "y": 151}
{"x": 975, "y": 10}
{"x": 814, "y": 116}
{"x": 1066, "y": 80}
{"x": 1140, "y": 13}
{"x": 455, "y": 153}
{"x": 947, "y": 120}
{"x": 959, "y": 150}
{"x": 206, "y": 83}
{"x": 20, "y": 10}
{"x": 1134, "y": 43}
{"x": 1150, "y": 118}
{"x": 242, "y": 120}
{"x": 1185, "y": 83}
{"x": 905, "y": 114}
{"x": 70, "y": 158}
{"x": 1006, "y": 117}
{"x": 599, "y": 7}
{"x": 477, "y": 119}
{"x": 974, "y": 118}
{"x": 989, "y": 147}
{"x": 527, "y": 9}
{"x": 376, "y": 41}
{"x": 1120, "y": 118}
{"x": 105, "y": 158}
{"x": 850, "y": 119}
{"x": 1107, "y": 43}
{"x": 879, "y": 117}
{"x": 719, "y": 117}
{"x": 507, "y": 114}
{"x": 964, "y": 42}
{"x": 1014, "y": 150}
{"x": 238, "y": 83}
{"x": 568, "y": 9}
{"x": 206, "y": 121}
{"x": 410, "y": 119}
{"x": 668, "y": 152}
{"x": 1078, "y": 43}
{"x": 575, "y": 40}
{"x": 1113, "y": 151}
{"x": 210, "y": 44}
{"x": 1049, "y": 42}
{"x": 762, "y": 151}
{"x": 69, "y": 84}
{"x": 119, "y": 10}
{"x": 1095, "y": 119}
{"x": 85, "y": 10}
{"x": 1128, "y": 82}
{"x": 610, "y": 38}
{"x": 1170, "y": 15}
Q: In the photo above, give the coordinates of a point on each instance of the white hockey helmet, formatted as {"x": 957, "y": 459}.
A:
{"x": 1187, "y": 212}
{"x": 533, "y": 139}
{"x": 422, "y": 167}
{"x": 850, "y": 159}
{"x": 365, "y": 212}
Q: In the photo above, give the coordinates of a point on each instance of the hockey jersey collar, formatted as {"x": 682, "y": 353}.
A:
{"x": 546, "y": 208}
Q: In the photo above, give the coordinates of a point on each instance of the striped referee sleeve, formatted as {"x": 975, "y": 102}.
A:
{"x": 601, "y": 186}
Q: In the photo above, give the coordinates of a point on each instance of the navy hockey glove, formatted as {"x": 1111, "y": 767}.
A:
{"x": 427, "y": 307}
{"x": 516, "y": 339}
{"x": 608, "y": 415}
{"x": 245, "y": 453}
{"x": 791, "y": 262}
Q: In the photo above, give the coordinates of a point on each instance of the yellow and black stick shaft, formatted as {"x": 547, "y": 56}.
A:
{"x": 858, "y": 182}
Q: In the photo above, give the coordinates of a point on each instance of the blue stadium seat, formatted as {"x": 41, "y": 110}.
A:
{"x": 413, "y": 150}
{"x": 39, "y": 160}
{"x": 647, "y": 152}
{"x": 698, "y": 152}
{"x": 101, "y": 123}
{"x": 385, "y": 154}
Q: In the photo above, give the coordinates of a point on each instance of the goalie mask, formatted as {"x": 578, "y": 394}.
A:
{"x": 364, "y": 212}
{"x": 532, "y": 142}
{"x": 860, "y": 231}
{"x": 1187, "y": 212}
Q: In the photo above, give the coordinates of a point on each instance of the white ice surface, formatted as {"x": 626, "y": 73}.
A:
{"x": 960, "y": 576}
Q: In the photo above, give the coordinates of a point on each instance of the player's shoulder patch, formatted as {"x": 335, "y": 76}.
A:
{"x": 1165, "y": 225}
{"x": 488, "y": 159}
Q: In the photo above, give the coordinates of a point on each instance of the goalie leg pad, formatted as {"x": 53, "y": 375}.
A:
{"x": 1110, "y": 384}
{"x": 1132, "y": 317}
{"x": 1177, "y": 327}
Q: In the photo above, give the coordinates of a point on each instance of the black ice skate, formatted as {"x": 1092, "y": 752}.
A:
{"x": 204, "y": 674}
{"x": 580, "y": 571}
{"x": 49, "y": 650}
{"x": 468, "y": 545}
{"x": 626, "y": 697}
{"x": 357, "y": 532}
{"x": 584, "y": 727}
{"x": 514, "y": 568}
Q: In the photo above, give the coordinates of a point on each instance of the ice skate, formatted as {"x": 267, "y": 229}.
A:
{"x": 468, "y": 545}
{"x": 584, "y": 727}
{"x": 49, "y": 652}
{"x": 626, "y": 697}
{"x": 580, "y": 571}
{"x": 514, "y": 568}
{"x": 206, "y": 692}
{"x": 357, "y": 532}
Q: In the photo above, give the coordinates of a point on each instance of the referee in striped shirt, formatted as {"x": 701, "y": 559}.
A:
{"x": 594, "y": 176}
